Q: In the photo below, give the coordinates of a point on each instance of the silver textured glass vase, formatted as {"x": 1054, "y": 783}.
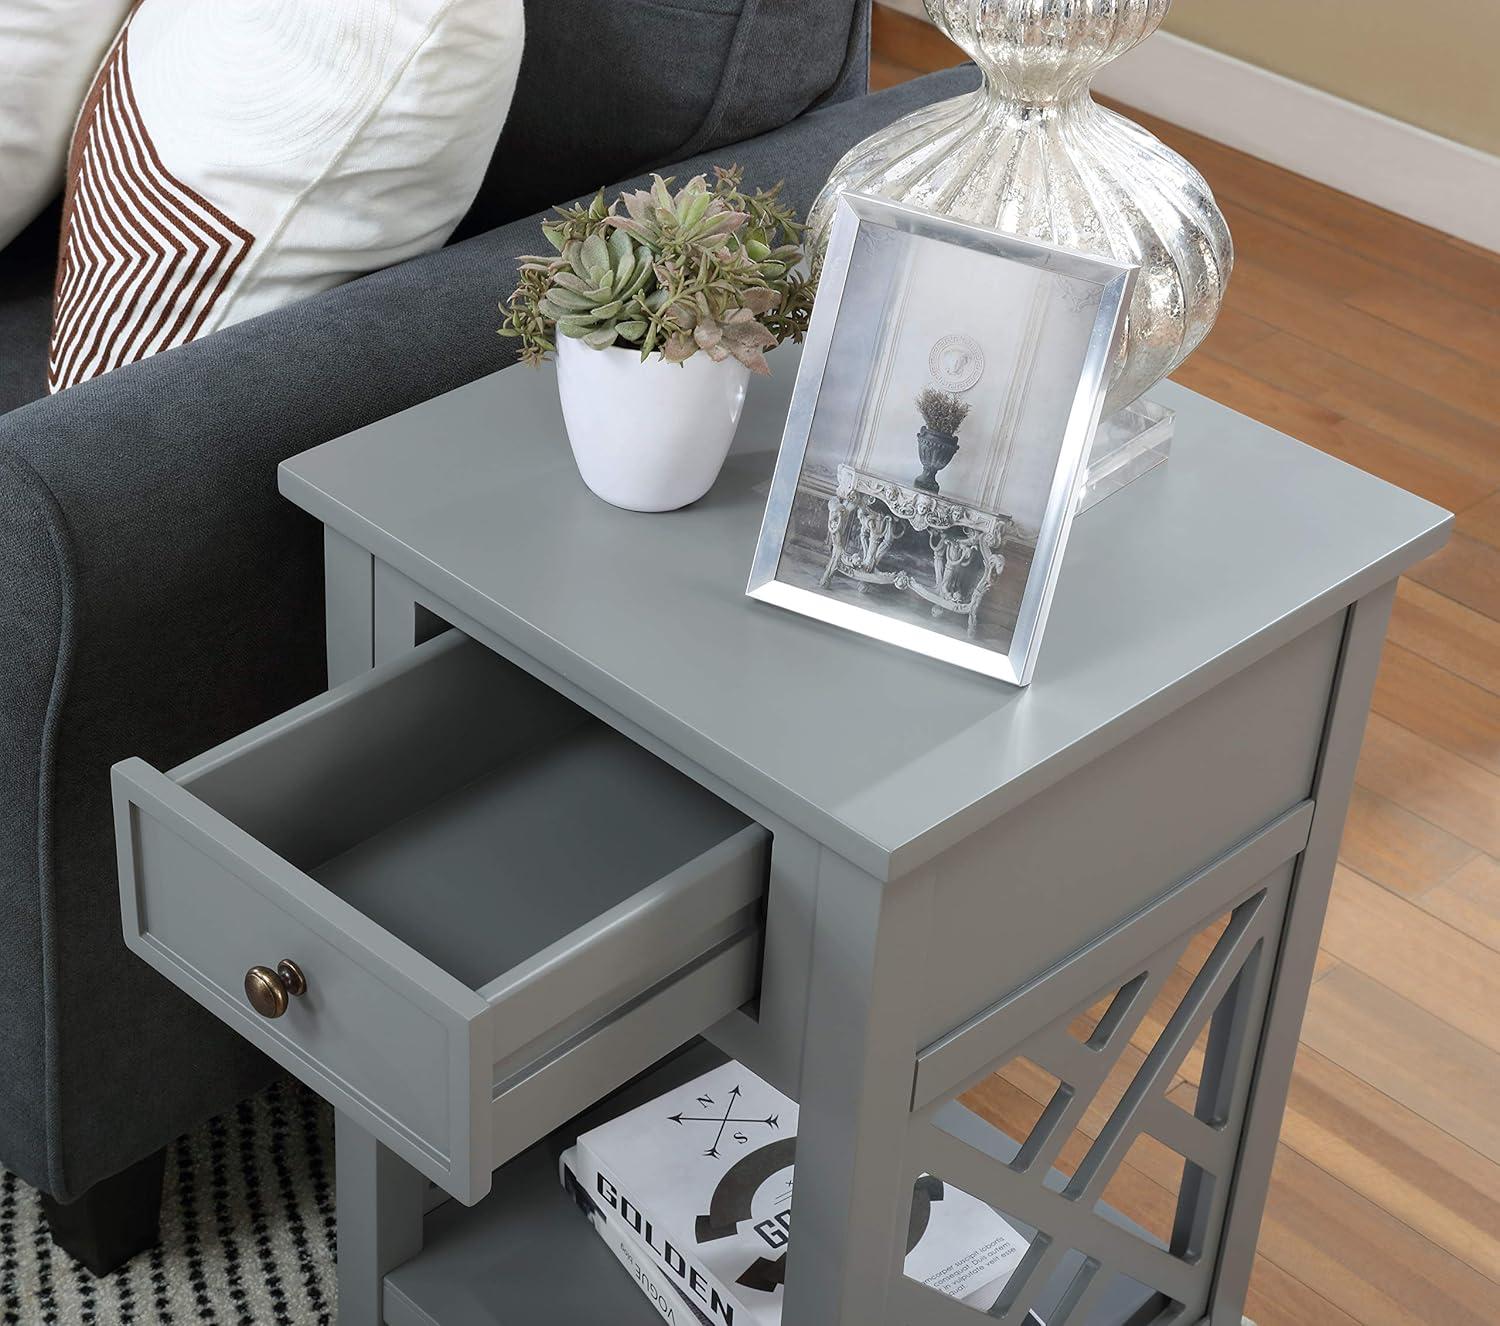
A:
{"x": 1033, "y": 154}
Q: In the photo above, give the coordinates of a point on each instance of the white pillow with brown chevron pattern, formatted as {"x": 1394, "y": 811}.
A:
{"x": 49, "y": 49}
{"x": 235, "y": 155}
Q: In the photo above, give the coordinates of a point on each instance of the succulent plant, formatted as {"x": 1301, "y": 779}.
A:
{"x": 692, "y": 217}
{"x": 592, "y": 295}
{"x": 706, "y": 268}
{"x": 942, "y": 411}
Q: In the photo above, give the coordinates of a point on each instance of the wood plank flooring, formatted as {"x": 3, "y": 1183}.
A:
{"x": 1377, "y": 341}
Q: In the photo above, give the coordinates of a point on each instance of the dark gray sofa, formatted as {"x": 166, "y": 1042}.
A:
{"x": 157, "y": 596}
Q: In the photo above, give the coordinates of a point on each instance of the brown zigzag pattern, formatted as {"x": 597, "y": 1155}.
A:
{"x": 144, "y": 257}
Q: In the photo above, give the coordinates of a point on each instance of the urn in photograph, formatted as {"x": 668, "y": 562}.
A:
{"x": 934, "y": 450}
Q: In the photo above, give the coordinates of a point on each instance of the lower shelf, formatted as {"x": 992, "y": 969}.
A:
{"x": 526, "y": 1254}
{"x": 523, "y": 1255}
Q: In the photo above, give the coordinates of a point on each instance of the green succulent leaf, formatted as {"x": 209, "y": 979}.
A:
{"x": 722, "y": 223}
{"x": 552, "y": 305}
{"x": 636, "y": 229}
{"x": 594, "y": 253}
{"x": 573, "y": 255}
{"x": 641, "y": 275}
{"x": 569, "y": 280}
{"x": 621, "y": 252}
{"x": 637, "y": 206}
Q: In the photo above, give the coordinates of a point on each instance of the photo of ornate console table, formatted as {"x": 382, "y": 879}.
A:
{"x": 868, "y": 514}
{"x": 548, "y": 827}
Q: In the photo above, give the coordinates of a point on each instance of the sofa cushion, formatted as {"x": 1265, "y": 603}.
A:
{"x": 610, "y": 87}
{"x": 236, "y": 156}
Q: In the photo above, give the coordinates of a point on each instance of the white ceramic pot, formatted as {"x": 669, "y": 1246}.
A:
{"x": 648, "y": 436}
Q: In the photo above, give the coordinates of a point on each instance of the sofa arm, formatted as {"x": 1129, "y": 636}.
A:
{"x": 158, "y": 596}
{"x": 35, "y": 583}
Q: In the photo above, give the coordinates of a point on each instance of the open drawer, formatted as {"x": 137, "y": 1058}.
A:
{"x": 495, "y": 908}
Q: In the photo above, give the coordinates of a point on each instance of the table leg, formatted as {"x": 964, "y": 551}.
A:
{"x": 396, "y": 613}
{"x": 838, "y": 521}
{"x": 381, "y": 1201}
{"x": 349, "y": 595}
{"x": 851, "y": 1203}
{"x": 1332, "y": 786}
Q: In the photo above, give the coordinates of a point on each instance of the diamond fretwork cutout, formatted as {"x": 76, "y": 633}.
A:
{"x": 1022, "y": 1094}
{"x": 1097, "y": 1024}
{"x": 1187, "y": 967}
{"x": 1114, "y": 1126}
{"x": 1150, "y": 1189}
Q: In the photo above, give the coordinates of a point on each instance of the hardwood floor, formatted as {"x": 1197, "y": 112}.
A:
{"x": 1377, "y": 341}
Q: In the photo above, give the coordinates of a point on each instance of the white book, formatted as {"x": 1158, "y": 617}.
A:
{"x": 702, "y": 1179}
{"x": 652, "y": 1280}
{"x": 650, "y": 1277}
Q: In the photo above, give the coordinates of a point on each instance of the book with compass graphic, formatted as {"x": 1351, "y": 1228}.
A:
{"x": 701, "y": 1179}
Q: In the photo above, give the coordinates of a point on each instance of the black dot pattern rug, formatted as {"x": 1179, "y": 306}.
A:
{"x": 247, "y": 1232}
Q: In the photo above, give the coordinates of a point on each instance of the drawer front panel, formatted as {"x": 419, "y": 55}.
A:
{"x": 213, "y": 926}
{"x": 1083, "y": 855}
{"x": 380, "y": 1033}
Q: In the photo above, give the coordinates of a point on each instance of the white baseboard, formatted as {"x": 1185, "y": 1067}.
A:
{"x": 1395, "y": 165}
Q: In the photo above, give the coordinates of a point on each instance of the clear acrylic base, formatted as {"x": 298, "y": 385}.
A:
{"x": 1129, "y": 443}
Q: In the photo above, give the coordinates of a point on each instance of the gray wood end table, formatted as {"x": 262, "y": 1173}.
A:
{"x": 872, "y": 878}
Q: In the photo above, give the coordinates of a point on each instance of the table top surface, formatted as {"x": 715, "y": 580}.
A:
{"x": 1241, "y": 541}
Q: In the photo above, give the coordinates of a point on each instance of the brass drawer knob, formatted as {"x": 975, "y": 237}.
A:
{"x": 270, "y": 990}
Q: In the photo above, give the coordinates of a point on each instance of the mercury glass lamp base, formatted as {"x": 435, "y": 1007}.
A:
{"x": 1127, "y": 444}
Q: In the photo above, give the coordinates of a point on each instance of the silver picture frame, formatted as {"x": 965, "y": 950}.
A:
{"x": 841, "y": 407}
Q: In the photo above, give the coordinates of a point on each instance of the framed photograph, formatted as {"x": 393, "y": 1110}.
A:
{"x": 949, "y": 390}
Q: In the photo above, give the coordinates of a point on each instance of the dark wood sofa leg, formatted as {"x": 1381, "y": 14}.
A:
{"x": 115, "y": 1219}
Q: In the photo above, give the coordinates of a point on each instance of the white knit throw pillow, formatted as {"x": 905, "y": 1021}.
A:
{"x": 235, "y": 155}
{"x": 49, "y": 50}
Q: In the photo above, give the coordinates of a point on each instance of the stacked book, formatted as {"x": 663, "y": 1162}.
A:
{"x": 693, "y": 1194}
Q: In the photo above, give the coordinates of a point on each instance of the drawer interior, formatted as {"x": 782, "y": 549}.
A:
{"x": 529, "y": 852}
{"x": 464, "y": 807}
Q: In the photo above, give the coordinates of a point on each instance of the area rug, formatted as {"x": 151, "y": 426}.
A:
{"x": 247, "y": 1232}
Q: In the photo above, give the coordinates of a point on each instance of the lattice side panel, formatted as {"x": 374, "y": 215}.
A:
{"x": 1154, "y": 1063}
